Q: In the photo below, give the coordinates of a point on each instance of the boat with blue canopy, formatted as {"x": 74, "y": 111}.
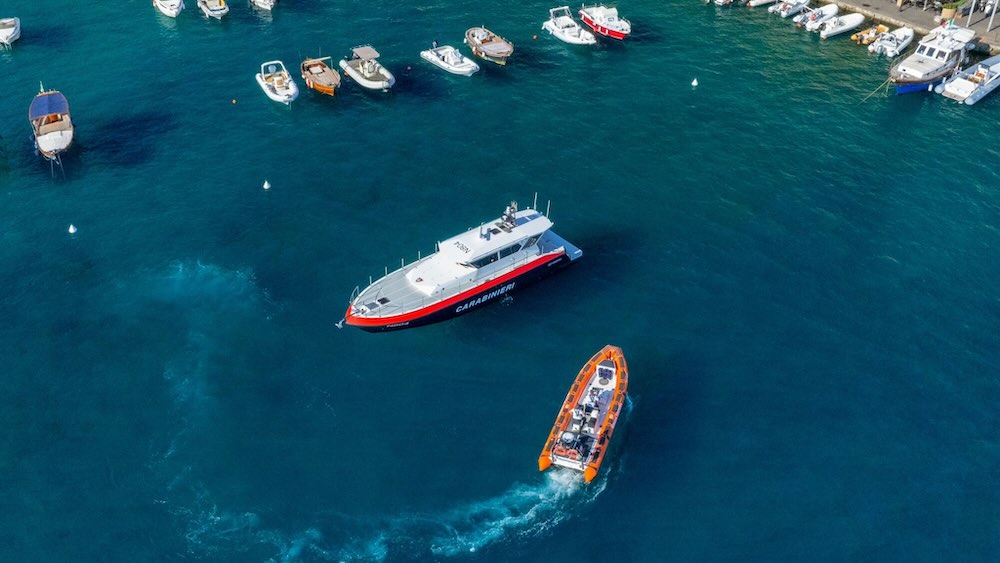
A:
{"x": 50, "y": 120}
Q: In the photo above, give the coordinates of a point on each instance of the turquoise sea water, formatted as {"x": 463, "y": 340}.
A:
{"x": 804, "y": 286}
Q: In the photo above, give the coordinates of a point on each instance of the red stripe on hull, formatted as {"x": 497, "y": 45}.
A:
{"x": 612, "y": 33}
{"x": 350, "y": 319}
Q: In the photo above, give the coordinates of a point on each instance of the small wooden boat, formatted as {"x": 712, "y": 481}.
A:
{"x": 488, "y": 45}
{"x": 364, "y": 69}
{"x": 50, "y": 121}
{"x": 10, "y": 31}
{"x": 870, "y": 35}
{"x": 579, "y": 439}
{"x": 319, "y": 76}
{"x": 169, "y": 8}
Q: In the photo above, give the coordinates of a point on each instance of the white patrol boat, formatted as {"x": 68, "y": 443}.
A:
{"x": 472, "y": 269}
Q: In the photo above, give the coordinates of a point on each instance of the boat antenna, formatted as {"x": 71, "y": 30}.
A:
{"x": 534, "y": 202}
{"x": 548, "y": 207}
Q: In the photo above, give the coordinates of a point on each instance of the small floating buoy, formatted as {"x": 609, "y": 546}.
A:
{"x": 72, "y": 230}
{"x": 694, "y": 82}
{"x": 534, "y": 37}
{"x": 234, "y": 101}
{"x": 267, "y": 185}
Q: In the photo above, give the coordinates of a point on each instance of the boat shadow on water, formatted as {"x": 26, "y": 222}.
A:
{"x": 127, "y": 146}
{"x": 50, "y": 36}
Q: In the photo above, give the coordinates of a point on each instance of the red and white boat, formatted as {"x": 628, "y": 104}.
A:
{"x": 477, "y": 267}
{"x": 580, "y": 437}
{"x": 605, "y": 20}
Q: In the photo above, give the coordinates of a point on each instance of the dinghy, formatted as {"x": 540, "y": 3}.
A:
{"x": 488, "y": 45}
{"x": 605, "y": 20}
{"x": 214, "y": 8}
{"x": 840, "y": 24}
{"x": 51, "y": 123}
{"x": 563, "y": 27}
{"x": 789, "y": 8}
{"x": 366, "y": 70}
{"x": 169, "y": 8}
{"x": 318, "y": 75}
{"x": 10, "y": 31}
{"x": 580, "y": 438}
{"x": 818, "y": 17}
{"x": 973, "y": 83}
{"x": 892, "y": 43}
{"x": 870, "y": 35}
{"x": 275, "y": 81}
{"x": 450, "y": 59}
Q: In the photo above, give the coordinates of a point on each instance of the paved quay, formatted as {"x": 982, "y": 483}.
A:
{"x": 922, "y": 21}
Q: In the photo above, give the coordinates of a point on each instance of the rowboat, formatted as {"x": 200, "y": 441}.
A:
{"x": 580, "y": 436}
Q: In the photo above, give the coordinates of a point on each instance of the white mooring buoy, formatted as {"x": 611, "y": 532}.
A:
{"x": 694, "y": 82}
{"x": 72, "y": 230}
{"x": 267, "y": 185}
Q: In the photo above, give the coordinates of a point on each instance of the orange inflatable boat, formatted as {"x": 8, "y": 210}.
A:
{"x": 580, "y": 437}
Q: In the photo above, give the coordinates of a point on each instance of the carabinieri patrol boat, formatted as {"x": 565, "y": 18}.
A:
{"x": 467, "y": 271}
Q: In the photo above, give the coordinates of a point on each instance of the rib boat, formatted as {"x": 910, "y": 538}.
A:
{"x": 365, "y": 69}
{"x": 467, "y": 271}
{"x": 450, "y": 59}
{"x": 50, "y": 121}
{"x": 840, "y": 24}
{"x": 892, "y": 43}
{"x": 319, "y": 76}
{"x": 973, "y": 83}
{"x": 488, "y": 45}
{"x": 939, "y": 54}
{"x": 605, "y": 21}
{"x": 275, "y": 81}
{"x": 580, "y": 436}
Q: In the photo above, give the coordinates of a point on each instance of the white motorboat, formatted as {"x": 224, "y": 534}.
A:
{"x": 275, "y": 81}
{"x": 892, "y": 43}
{"x": 10, "y": 31}
{"x": 169, "y": 8}
{"x": 563, "y": 27}
{"x": 789, "y": 8}
{"x": 263, "y": 4}
{"x": 50, "y": 121}
{"x": 755, "y": 3}
{"x": 939, "y": 54}
{"x": 477, "y": 267}
{"x": 450, "y": 59}
{"x": 817, "y": 17}
{"x": 214, "y": 8}
{"x": 840, "y": 24}
{"x": 366, "y": 70}
{"x": 973, "y": 83}
{"x": 605, "y": 21}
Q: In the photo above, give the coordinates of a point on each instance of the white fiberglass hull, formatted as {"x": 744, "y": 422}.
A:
{"x": 448, "y": 58}
{"x": 263, "y": 4}
{"x": 169, "y": 8}
{"x": 285, "y": 96}
{"x": 893, "y": 43}
{"x": 211, "y": 12}
{"x": 789, "y": 9}
{"x": 572, "y": 35}
{"x": 51, "y": 144}
{"x": 821, "y": 16}
{"x": 755, "y": 3}
{"x": 969, "y": 88}
{"x": 11, "y": 32}
{"x": 366, "y": 82}
{"x": 843, "y": 24}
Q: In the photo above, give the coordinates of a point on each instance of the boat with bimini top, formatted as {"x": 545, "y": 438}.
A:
{"x": 488, "y": 45}
{"x": 580, "y": 437}
{"x": 939, "y": 54}
{"x": 477, "y": 267}
{"x": 51, "y": 123}
{"x": 605, "y": 21}
{"x": 364, "y": 68}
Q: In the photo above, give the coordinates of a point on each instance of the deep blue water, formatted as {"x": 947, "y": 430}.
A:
{"x": 804, "y": 286}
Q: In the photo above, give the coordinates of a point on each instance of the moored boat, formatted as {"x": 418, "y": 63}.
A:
{"x": 450, "y": 59}
{"x": 605, "y": 21}
{"x": 169, "y": 8}
{"x": 264, "y": 4}
{"x": 939, "y": 54}
{"x": 818, "y": 17}
{"x": 477, "y": 267}
{"x": 789, "y": 8}
{"x": 488, "y": 45}
{"x": 318, "y": 75}
{"x": 51, "y": 123}
{"x": 10, "y": 31}
{"x": 214, "y": 8}
{"x": 974, "y": 83}
{"x": 276, "y": 83}
{"x": 563, "y": 27}
{"x": 364, "y": 68}
{"x": 870, "y": 35}
{"x": 755, "y": 3}
{"x": 840, "y": 24}
{"x": 581, "y": 435}
{"x": 892, "y": 43}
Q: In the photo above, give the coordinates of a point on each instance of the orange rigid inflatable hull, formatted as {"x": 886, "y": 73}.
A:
{"x": 574, "y": 398}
